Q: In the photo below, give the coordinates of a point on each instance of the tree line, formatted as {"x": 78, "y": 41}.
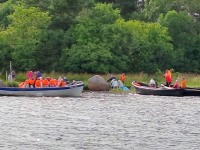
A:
{"x": 100, "y": 36}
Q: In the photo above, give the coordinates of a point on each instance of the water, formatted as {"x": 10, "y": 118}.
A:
{"x": 100, "y": 121}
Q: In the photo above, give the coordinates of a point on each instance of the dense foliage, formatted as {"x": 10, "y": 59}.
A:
{"x": 100, "y": 36}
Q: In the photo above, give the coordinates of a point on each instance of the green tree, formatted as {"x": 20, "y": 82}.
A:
{"x": 90, "y": 52}
{"x": 185, "y": 38}
{"x": 23, "y": 34}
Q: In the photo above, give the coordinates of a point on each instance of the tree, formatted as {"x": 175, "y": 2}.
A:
{"x": 90, "y": 51}
{"x": 23, "y": 34}
{"x": 185, "y": 38}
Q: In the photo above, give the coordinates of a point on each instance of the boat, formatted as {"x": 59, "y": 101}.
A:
{"x": 191, "y": 91}
{"x": 67, "y": 91}
{"x": 145, "y": 89}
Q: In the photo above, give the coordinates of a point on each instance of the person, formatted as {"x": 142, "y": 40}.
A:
{"x": 45, "y": 82}
{"x": 38, "y": 74}
{"x": 13, "y": 74}
{"x": 114, "y": 83}
{"x": 111, "y": 78}
{"x": 38, "y": 83}
{"x": 9, "y": 77}
{"x": 176, "y": 84}
{"x": 59, "y": 81}
{"x": 52, "y": 82}
{"x": 168, "y": 77}
{"x": 123, "y": 77}
{"x": 29, "y": 74}
{"x": 152, "y": 83}
{"x": 66, "y": 80}
{"x": 183, "y": 83}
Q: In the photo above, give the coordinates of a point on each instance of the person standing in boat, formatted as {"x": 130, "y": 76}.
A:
{"x": 168, "y": 77}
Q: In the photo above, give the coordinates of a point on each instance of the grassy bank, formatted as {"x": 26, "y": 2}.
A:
{"x": 193, "y": 80}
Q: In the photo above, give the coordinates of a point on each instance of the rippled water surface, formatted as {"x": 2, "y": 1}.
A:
{"x": 100, "y": 121}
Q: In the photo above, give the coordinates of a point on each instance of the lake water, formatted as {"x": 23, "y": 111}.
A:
{"x": 100, "y": 121}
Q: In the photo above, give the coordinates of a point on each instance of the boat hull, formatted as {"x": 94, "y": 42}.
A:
{"x": 191, "y": 92}
{"x": 68, "y": 91}
{"x": 157, "y": 91}
{"x": 144, "y": 89}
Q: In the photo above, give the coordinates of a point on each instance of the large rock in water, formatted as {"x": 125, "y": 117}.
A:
{"x": 97, "y": 83}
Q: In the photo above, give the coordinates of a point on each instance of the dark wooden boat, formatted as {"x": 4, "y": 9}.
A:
{"x": 191, "y": 92}
{"x": 144, "y": 89}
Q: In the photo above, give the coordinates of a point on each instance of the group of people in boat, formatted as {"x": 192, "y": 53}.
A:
{"x": 35, "y": 80}
{"x": 168, "y": 80}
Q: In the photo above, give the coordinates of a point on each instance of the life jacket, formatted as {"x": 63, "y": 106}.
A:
{"x": 27, "y": 81}
{"x": 122, "y": 77}
{"x": 52, "y": 83}
{"x": 38, "y": 83}
{"x": 63, "y": 83}
{"x": 183, "y": 83}
{"x": 32, "y": 81}
{"x": 45, "y": 83}
{"x": 21, "y": 85}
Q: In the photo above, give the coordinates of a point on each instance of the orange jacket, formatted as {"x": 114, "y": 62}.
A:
{"x": 45, "y": 83}
{"x": 52, "y": 83}
{"x": 123, "y": 77}
{"x": 183, "y": 83}
{"x": 38, "y": 83}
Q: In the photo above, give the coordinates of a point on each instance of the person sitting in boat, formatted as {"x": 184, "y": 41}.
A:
{"x": 45, "y": 82}
{"x": 52, "y": 82}
{"x": 27, "y": 83}
{"x": 38, "y": 83}
{"x": 152, "y": 83}
{"x": 183, "y": 83}
{"x": 176, "y": 84}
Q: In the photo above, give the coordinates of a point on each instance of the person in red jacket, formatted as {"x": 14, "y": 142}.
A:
{"x": 168, "y": 77}
{"x": 123, "y": 77}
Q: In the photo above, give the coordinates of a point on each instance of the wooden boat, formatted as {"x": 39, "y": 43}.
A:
{"x": 144, "y": 89}
{"x": 67, "y": 91}
{"x": 191, "y": 92}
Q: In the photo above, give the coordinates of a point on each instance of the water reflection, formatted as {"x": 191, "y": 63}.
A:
{"x": 100, "y": 121}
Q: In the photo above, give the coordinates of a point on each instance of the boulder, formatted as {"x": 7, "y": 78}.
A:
{"x": 98, "y": 83}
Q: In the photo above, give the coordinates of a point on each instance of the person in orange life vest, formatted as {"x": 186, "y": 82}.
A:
{"x": 176, "y": 84}
{"x": 32, "y": 82}
{"x": 123, "y": 77}
{"x": 183, "y": 83}
{"x": 63, "y": 84}
{"x": 52, "y": 82}
{"x": 38, "y": 83}
{"x": 168, "y": 77}
{"x": 45, "y": 82}
{"x": 21, "y": 85}
{"x": 27, "y": 83}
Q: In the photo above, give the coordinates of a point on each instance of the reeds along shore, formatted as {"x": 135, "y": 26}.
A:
{"x": 193, "y": 80}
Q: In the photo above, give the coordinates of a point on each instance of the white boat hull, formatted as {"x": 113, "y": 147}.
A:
{"x": 68, "y": 91}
